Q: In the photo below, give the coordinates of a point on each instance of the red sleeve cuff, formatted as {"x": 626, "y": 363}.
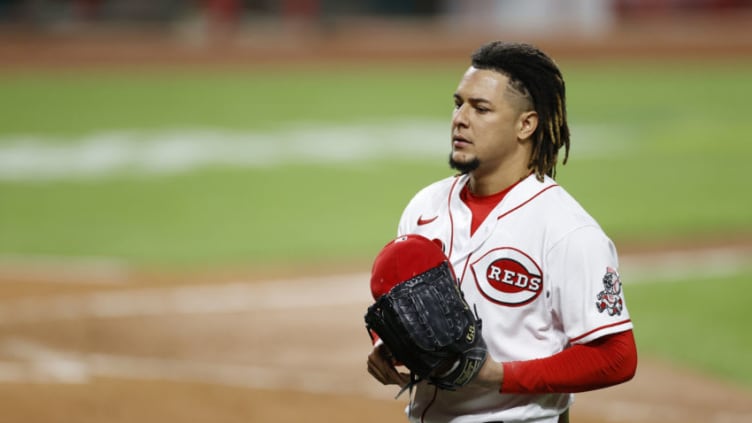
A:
{"x": 606, "y": 361}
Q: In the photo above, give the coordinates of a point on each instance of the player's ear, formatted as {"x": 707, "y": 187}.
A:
{"x": 527, "y": 123}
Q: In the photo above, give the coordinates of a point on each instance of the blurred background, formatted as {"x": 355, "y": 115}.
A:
{"x": 191, "y": 194}
{"x": 258, "y": 30}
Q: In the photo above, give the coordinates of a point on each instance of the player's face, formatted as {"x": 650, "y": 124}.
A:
{"x": 486, "y": 123}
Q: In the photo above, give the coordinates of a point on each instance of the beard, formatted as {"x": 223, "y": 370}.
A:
{"x": 463, "y": 167}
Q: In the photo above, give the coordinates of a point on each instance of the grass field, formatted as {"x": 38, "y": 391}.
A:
{"x": 659, "y": 152}
{"x": 696, "y": 322}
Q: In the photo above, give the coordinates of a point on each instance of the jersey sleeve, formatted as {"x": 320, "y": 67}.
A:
{"x": 410, "y": 214}
{"x": 431, "y": 201}
{"x": 588, "y": 297}
{"x": 405, "y": 223}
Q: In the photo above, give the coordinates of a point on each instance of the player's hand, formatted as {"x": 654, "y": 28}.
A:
{"x": 381, "y": 365}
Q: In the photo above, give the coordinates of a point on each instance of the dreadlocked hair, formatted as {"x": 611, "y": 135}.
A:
{"x": 533, "y": 74}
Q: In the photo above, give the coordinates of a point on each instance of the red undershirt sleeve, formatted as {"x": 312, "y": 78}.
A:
{"x": 606, "y": 361}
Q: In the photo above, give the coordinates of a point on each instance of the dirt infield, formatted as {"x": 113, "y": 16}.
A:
{"x": 229, "y": 348}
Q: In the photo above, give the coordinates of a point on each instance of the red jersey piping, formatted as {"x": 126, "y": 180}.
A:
{"x": 575, "y": 339}
{"x": 451, "y": 218}
{"x": 527, "y": 201}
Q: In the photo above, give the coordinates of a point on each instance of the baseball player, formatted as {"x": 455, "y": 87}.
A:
{"x": 538, "y": 269}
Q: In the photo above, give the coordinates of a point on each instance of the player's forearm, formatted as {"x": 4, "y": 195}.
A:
{"x": 491, "y": 374}
{"x": 604, "y": 362}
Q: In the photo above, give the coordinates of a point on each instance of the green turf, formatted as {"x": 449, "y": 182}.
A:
{"x": 85, "y": 102}
{"x": 216, "y": 216}
{"x": 700, "y": 322}
{"x": 677, "y": 133}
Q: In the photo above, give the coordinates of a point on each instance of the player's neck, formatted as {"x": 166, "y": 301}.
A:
{"x": 496, "y": 182}
{"x": 494, "y": 176}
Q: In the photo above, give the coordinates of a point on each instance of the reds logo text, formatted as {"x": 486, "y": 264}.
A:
{"x": 497, "y": 272}
{"x": 508, "y": 276}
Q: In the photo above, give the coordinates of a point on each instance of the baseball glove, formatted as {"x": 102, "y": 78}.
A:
{"x": 429, "y": 327}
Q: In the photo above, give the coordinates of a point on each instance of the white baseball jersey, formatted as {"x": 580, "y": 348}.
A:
{"x": 542, "y": 275}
